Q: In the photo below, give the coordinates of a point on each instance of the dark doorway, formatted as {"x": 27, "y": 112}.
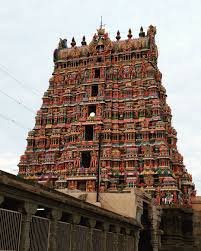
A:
{"x": 89, "y": 132}
{"x": 145, "y": 234}
{"x": 121, "y": 179}
{"x": 121, "y": 184}
{"x": 99, "y": 59}
{"x": 81, "y": 185}
{"x": 100, "y": 48}
{"x": 86, "y": 159}
{"x": 91, "y": 108}
{"x": 97, "y": 73}
{"x": 94, "y": 90}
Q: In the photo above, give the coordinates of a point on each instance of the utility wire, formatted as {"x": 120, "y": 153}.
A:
{"x": 18, "y": 102}
{"x": 13, "y": 121}
{"x": 33, "y": 90}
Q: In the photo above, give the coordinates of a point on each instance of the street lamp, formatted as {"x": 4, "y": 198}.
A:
{"x": 100, "y": 137}
{"x": 92, "y": 115}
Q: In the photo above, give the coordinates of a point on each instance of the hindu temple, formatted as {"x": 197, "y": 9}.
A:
{"x": 105, "y": 124}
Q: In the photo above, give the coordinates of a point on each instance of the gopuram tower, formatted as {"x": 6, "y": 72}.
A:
{"x": 104, "y": 120}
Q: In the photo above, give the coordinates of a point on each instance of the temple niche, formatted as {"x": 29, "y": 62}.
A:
{"x": 106, "y": 107}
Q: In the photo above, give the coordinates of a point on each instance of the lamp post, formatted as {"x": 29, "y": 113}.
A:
{"x": 100, "y": 136}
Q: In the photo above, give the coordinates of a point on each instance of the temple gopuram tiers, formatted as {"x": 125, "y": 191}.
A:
{"x": 105, "y": 109}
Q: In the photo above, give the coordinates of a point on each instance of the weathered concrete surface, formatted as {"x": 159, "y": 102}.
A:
{"x": 126, "y": 203}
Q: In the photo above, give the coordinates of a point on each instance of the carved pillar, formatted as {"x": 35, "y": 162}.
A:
{"x": 117, "y": 232}
{"x": 75, "y": 220}
{"x": 91, "y": 223}
{"x": 155, "y": 217}
{"x": 137, "y": 239}
{"x": 28, "y": 209}
{"x": 55, "y": 216}
{"x": 139, "y": 213}
{"x": 1, "y": 199}
{"x": 106, "y": 228}
{"x": 126, "y": 238}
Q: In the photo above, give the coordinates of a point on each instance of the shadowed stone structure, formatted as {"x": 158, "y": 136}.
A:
{"x": 43, "y": 219}
{"x": 34, "y": 217}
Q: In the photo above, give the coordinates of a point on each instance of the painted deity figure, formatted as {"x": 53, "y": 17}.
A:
{"x": 158, "y": 199}
{"x": 84, "y": 112}
{"x": 180, "y": 198}
{"x": 120, "y": 72}
{"x": 76, "y": 161}
{"x": 93, "y": 163}
{"x": 133, "y": 72}
{"x": 99, "y": 110}
{"x": 81, "y": 132}
{"x": 168, "y": 199}
{"x": 143, "y": 70}
{"x": 109, "y": 73}
{"x": 121, "y": 168}
{"x": 126, "y": 72}
{"x": 115, "y": 74}
{"x": 62, "y": 43}
{"x": 175, "y": 200}
{"x": 72, "y": 185}
{"x": 90, "y": 186}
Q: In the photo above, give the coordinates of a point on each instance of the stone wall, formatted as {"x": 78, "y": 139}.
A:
{"x": 181, "y": 229}
{"x": 33, "y": 217}
{"x": 196, "y": 203}
{"x": 134, "y": 203}
{"x": 36, "y": 218}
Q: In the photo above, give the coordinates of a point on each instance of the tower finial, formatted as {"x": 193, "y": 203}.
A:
{"x": 73, "y": 43}
{"x": 129, "y": 34}
{"x": 142, "y": 33}
{"x": 83, "y": 41}
{"x": 118, "y": 37}
{"x": 101, "y": 30}
{"x": 101, "y": 24}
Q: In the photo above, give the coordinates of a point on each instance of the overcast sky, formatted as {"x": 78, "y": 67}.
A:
{"x": 30, "y": 31}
